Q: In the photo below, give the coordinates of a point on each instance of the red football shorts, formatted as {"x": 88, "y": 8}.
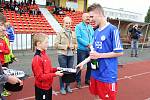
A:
{"x": 106, "y": 91}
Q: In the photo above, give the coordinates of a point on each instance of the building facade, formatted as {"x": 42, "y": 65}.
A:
{"x": 122, "y": 14}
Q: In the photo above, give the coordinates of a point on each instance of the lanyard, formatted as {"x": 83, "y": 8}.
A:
{"x": 88, "y": 32}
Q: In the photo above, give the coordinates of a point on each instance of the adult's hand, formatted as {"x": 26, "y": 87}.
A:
{"x": 14, "y": 80}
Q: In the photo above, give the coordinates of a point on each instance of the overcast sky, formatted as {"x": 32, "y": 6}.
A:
{"x": 138, "y": 6}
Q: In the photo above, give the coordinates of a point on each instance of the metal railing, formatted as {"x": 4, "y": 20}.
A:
{"x": 24, "y": 41}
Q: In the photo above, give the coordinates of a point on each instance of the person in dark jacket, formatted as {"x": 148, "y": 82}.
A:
{"x": 134, "y": 35}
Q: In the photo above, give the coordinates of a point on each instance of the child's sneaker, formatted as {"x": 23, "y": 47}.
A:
{"x": 68, "y": 89}
{"x": 5, "y": 93}
{"x": 63, "y": 91}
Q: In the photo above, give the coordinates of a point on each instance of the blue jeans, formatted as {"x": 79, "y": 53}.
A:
{"x": 134, "y": 46}
{"x": 81, "y": 55}
{"x": 65, "y": 62}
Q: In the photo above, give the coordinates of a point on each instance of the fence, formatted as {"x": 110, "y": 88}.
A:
{"x": 24, "y": 41}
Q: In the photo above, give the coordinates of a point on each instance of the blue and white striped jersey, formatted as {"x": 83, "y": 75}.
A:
{"x": 107, "y": 39}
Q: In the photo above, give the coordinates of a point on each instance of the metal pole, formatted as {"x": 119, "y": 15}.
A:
{"x": 119, "y": 24}
{"x": 145, "y": 36}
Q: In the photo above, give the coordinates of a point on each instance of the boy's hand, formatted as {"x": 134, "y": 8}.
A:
{"x": 58, "y": 68}
{"x": 59, "y": 73}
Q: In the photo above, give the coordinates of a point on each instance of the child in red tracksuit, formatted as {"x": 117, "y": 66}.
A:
{"x": 3, "y": 49}
{"x": 3, "y": 45}
{"x": 42, "y": 69}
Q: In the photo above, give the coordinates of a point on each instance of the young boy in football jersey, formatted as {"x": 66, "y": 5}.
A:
{"x": 107, "y": 47}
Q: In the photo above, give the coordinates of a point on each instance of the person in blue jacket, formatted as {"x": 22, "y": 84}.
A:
{"x": 84, "y": 34}
{"x": 10, "y": 32}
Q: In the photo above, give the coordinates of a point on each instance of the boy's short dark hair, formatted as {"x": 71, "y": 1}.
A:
{"x": 2, "y": 18}
{"x": 96, "y": 6}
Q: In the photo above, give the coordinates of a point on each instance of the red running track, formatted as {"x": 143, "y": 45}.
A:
{"x": 133, "y": 84}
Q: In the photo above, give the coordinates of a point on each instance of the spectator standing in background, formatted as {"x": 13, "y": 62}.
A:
{"x": 134, "y": 34}
{"x": 10, "y": 32}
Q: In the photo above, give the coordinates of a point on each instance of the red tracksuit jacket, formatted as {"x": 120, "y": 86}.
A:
{"x": 3, "y": 50}
{"x": 42, "y": 70}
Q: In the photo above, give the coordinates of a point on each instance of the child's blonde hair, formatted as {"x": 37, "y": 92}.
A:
{"x": 39, "y": 37}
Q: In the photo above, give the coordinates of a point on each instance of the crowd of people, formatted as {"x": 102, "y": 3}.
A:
{"x": 106, "y": 44}
{"x": 61, "y": 10}
{"x": 29, "y": 7}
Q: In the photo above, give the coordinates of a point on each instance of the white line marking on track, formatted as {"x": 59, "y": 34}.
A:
{"x": 147, "y": 99}
{"x": 54, "y": 93}
{"x": 123, "y": 78}
{"x": 130, "y": 77}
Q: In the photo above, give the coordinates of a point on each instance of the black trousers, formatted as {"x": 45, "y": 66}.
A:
{"x": 41, "y": 94}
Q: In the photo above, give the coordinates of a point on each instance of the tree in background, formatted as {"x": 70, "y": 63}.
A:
{"x": 147, "y": 17}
